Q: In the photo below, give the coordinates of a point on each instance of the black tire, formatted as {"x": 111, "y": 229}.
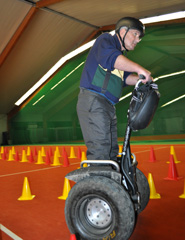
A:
{"x": 144, "y": 189}
{"x": 99, "y": 208}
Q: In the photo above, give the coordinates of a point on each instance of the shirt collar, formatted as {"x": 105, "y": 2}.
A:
{"x": 118, "y": 45}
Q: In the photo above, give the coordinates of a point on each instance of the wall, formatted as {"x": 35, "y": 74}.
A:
{"x": 3, "y": 125}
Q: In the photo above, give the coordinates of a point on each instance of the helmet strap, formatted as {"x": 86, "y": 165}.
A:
{"x": 123, "y": 40}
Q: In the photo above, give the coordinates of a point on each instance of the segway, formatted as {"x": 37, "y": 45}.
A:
{"x": 108, "y": 195}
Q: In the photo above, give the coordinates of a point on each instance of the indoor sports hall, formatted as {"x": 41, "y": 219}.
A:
{"x": 43, "y": 49}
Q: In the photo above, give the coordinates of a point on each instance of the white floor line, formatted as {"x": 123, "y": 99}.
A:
{"x": 37, "y": 170}
{"x": 9, "y": 233}
{"x": 148, "y": 150}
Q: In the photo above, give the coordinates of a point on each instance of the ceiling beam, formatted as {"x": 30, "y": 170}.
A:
{"x": 45, "y": 3}
{"x": 16, "y": 35}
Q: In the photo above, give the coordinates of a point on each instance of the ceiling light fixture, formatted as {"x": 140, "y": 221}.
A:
{"x": 164, "y": 17}
{"x": 88, "y": 45}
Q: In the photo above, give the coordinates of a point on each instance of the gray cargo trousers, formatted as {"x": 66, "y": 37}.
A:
{"x": 98, "y": 121}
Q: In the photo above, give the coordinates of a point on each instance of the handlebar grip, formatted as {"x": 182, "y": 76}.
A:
{"x": 141, "y": 76}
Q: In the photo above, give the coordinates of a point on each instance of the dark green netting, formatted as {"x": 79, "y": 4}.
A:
{"x": 53, "y": 119}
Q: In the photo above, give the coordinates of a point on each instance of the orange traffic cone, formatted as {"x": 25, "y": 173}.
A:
{"x": 50, "y": 152}
{"x": 183, "y": 195}
{"x": 73, "y": 237}
{"x": 26, "y": 193}
{"x": 66, "y": 160}
{"x": 63, "y": 151}
{"x": 66, "y": 189}
{"x": 31, "y": 158}
{"x": 153, "y": 193}
{"x": 72, "y": 153}
{"x": 35, "y": 151}
{"x": 172, "y": 172}
{"x": 152, "y": 155}
{"x": 6, "y": 150}
{"x": 17, "y": 156}
{"x": 79, "y": 153}
{"x": 4, "y": 155}
{"x": 48, "y": 161}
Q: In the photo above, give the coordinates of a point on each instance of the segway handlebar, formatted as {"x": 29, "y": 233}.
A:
{"x": 142, "y": 77}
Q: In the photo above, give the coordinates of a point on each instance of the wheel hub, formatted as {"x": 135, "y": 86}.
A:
{"x": 98, "y": 213}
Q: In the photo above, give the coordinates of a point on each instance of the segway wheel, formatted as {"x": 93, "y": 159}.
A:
{"x": 143, "y": 188}
{"x": 99, "y": 208}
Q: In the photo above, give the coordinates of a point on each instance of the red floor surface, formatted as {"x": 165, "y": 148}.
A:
{"x": 43, "y": 217}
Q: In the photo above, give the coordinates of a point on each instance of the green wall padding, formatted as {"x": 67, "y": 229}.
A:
{"x": 53, "y": 119}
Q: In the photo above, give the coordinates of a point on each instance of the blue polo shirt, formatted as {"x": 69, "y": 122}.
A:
{"x": 101, "y": 59}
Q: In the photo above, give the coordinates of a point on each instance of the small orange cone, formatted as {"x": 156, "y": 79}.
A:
{"x": 56, "y": 161}
{"x": 48, "y": 161}
{"x": 50, "y": 152}
{"x": 72, "y": 153}
{"x": 66, "y": 189}
{"x": 10, "y": 157}
{"x": 31, "y": 158}
{"x": 4, "y": 155}
{"x": 153, "y": 193}
{"x": 172, "y": 172}
{"x": 17, "y": 156}
{"x": 66, "y": 160}
{"x": 35, "y": 153}
{"x": 24, "y": 159}
{"x": 63, "y": 150}
{"x": 39, "y": 159}
{"x": 183, "y": 195}
{"x": 152, "y": 155}
{"x": 73, "y": 237}
{"x": 79, "y": 153}
{"x": 6, "y": 150}
{"x": 26, "y": 193}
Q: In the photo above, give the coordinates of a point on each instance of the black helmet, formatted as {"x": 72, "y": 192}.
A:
{"x": 130, "y": 23}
